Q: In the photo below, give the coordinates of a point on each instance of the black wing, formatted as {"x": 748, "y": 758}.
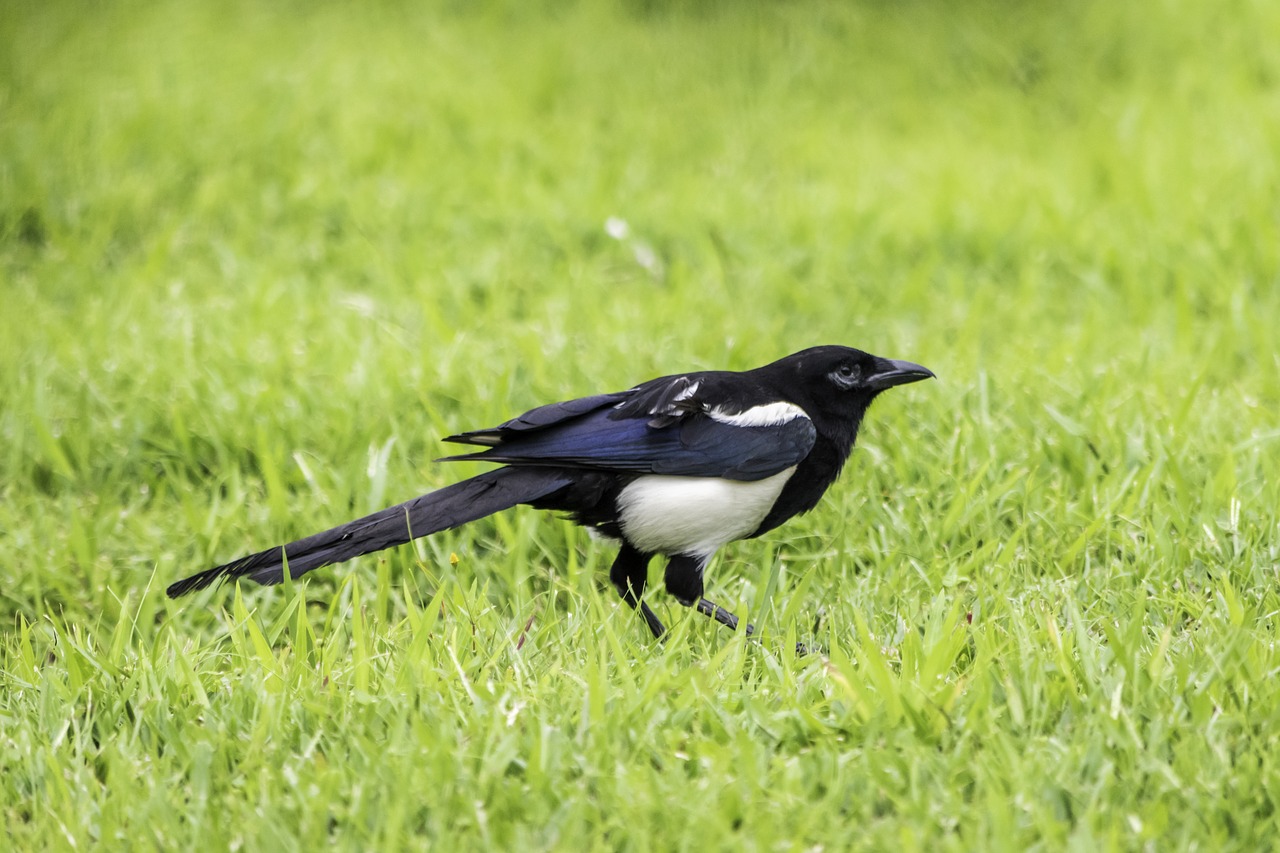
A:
{"x": 664, "y": 426}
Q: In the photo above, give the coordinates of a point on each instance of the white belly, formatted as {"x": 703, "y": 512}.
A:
{"x": 694, "y": 515}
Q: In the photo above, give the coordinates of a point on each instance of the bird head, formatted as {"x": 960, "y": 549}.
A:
{"x": 836, "y": 383}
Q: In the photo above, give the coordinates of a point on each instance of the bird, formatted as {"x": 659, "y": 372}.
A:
{"x": 678, "y": 466}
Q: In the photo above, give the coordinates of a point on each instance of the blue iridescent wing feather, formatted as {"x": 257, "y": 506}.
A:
{"x": 657, "y": 428}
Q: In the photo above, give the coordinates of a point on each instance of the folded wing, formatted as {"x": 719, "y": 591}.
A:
{"x": 661, "y": 427}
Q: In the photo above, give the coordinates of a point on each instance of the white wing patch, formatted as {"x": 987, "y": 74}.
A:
{"x": 663, "y": 399}
{"x": 758, "y": 416}
{"x": 688, "y": 392}
{"x": 662, "y": 514}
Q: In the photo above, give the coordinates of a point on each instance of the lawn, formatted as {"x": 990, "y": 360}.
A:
{"x": 257, "y": 258}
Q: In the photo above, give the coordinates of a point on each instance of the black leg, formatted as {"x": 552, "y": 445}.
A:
{"x": 684, "y": 581}
{"x": 724, "y": 617}
{"x": 629, "y": 575}
{"x": 683, "y": 578}
{"x": 651, "y": 619}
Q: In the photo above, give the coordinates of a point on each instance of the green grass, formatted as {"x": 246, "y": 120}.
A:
{"x": 257, "y": 258}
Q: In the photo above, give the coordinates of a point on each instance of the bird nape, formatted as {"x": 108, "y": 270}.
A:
{"x": 677, "y": 466}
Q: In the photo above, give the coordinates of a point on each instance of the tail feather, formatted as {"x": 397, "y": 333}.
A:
{"x": 440, "y": 510}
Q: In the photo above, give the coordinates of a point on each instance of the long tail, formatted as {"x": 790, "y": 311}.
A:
{"x": 444, "y": 509}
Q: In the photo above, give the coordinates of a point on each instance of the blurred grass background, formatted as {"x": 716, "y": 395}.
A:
{"x": 258, "y": 257}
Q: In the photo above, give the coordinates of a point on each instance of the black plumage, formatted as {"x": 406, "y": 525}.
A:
{"x": 677, "y": 466}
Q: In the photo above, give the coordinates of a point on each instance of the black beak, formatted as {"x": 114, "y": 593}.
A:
{"x": 890, "y": 372}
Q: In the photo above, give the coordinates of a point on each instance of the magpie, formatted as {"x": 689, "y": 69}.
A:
{"x": 677, "y": 466}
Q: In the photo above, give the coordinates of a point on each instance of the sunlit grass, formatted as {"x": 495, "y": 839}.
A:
{"x": 257, "y": 259}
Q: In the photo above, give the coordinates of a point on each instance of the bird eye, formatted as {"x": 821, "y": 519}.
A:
{"x": 846, "y": 375}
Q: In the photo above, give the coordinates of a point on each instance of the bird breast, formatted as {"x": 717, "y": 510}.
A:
{"x": 669, "y": 515}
